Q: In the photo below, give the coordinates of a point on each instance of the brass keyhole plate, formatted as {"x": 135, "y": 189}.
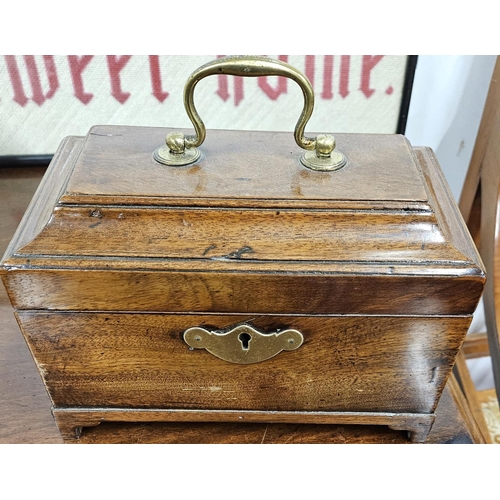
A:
{"x": 243, "y": 344}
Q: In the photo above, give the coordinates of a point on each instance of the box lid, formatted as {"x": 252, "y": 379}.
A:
{"x": 247, "y": 206}
{"x": 244, "y": 169}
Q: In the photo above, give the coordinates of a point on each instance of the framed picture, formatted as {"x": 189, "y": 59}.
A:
{"x": 46, "y": 98}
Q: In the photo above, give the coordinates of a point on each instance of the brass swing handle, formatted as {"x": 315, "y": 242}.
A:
{"x": 181, "y": 149}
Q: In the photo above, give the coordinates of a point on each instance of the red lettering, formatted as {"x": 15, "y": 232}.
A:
{"x": 309, "y": 68}
{"x": 15, "y": 80}
{"x": 369, "y": 62}
{"x": 50, "y": 69}
{"x": 327, "y": 78}
{"x": 281, "y": 88}
{"x": 76, "y": 67}
{"x": 154, "y": 67}
{"x": 223, "y": 88}
{"x": 345, "y": 68}
{"x": 327, "y": 92}
{"x": 115, "y": 66}
{"x": 34, "y": 77}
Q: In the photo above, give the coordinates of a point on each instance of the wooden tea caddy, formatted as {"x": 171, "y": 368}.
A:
{"x": 243, "y": 281}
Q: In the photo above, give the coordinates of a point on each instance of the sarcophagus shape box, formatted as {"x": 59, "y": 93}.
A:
{"x": 242, "y": 279}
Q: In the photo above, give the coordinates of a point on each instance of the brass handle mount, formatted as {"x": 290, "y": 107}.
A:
{"x": 182, "y": 150}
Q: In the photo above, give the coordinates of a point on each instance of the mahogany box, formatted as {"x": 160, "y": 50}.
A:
{"x": 244, "y": 286}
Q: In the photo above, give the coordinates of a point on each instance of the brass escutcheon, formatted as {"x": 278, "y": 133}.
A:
{"x": 243, "y": 344}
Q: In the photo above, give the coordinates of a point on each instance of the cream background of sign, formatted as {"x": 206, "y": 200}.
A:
{"x": 38, "y": 129}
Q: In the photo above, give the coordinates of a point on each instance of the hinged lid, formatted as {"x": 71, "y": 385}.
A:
{"x": 243, "y": 224}
{"x": 249, "y": 198}
{"x": 244, "y": 169}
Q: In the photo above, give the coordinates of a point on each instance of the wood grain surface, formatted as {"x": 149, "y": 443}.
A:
{"x": 374, "y": 364}
{"x": 24, "y": 404}
{"x": 222, "y": 259}
{"x": 116, "y": 166}
{"x": 253, "y": 293}
{"x": 113, "y": 357}
{"x": 26, "y": 415}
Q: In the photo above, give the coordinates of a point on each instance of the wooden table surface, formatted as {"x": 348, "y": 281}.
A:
{"x": 25, "y": 415}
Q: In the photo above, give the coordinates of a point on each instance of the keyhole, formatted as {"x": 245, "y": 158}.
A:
{"x": 244, "y": 338}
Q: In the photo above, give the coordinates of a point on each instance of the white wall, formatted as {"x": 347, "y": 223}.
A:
{"x": 446, "y": 106}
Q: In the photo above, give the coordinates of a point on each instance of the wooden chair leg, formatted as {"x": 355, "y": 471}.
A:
{"x": 469, "y": 391}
